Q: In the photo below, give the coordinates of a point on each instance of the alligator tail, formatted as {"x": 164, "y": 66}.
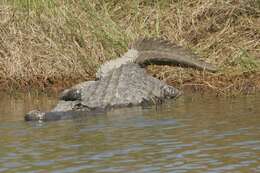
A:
{"x": 162, "y": 52}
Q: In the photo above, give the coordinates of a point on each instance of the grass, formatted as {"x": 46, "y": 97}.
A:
{"x": 47, "y": 44}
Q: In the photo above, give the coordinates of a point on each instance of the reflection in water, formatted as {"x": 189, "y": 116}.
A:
{"x": 191, "y": 134}
{"x": 13, "y": 108}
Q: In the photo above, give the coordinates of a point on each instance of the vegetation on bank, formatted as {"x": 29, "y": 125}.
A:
{"x": 56, "y": 43}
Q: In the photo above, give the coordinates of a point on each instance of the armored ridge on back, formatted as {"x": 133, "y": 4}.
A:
{"x": 123, "y": 82}
{"x": 156, "y": 51}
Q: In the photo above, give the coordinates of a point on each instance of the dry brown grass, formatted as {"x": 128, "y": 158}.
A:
{"x": 190, "y": 80}
{"x": 53, "y": 44}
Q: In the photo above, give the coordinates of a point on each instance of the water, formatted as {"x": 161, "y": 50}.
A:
{"x": 191, "y": 134}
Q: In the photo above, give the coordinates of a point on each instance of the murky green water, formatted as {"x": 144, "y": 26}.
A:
{"x": 192, "y": 134}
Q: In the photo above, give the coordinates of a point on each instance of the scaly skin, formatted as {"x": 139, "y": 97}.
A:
{"x": 128, "y": 85}
{"x": 177, "y": 59}
{"x": 122, "y": 82}
{"x": 162, "y": 52}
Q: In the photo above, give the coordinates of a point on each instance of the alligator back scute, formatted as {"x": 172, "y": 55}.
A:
{"x": 126, "y": 86}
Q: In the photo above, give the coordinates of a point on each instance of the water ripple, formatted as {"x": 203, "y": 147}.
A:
{"x": 205, "y": 135}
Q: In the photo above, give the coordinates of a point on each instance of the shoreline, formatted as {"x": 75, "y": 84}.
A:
{"x": 227, "y": 83}
{"x": 50, "y": 46}
{"x": 187, "y": 80}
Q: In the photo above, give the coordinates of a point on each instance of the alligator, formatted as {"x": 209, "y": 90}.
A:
{"x": 123, "y": 82}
